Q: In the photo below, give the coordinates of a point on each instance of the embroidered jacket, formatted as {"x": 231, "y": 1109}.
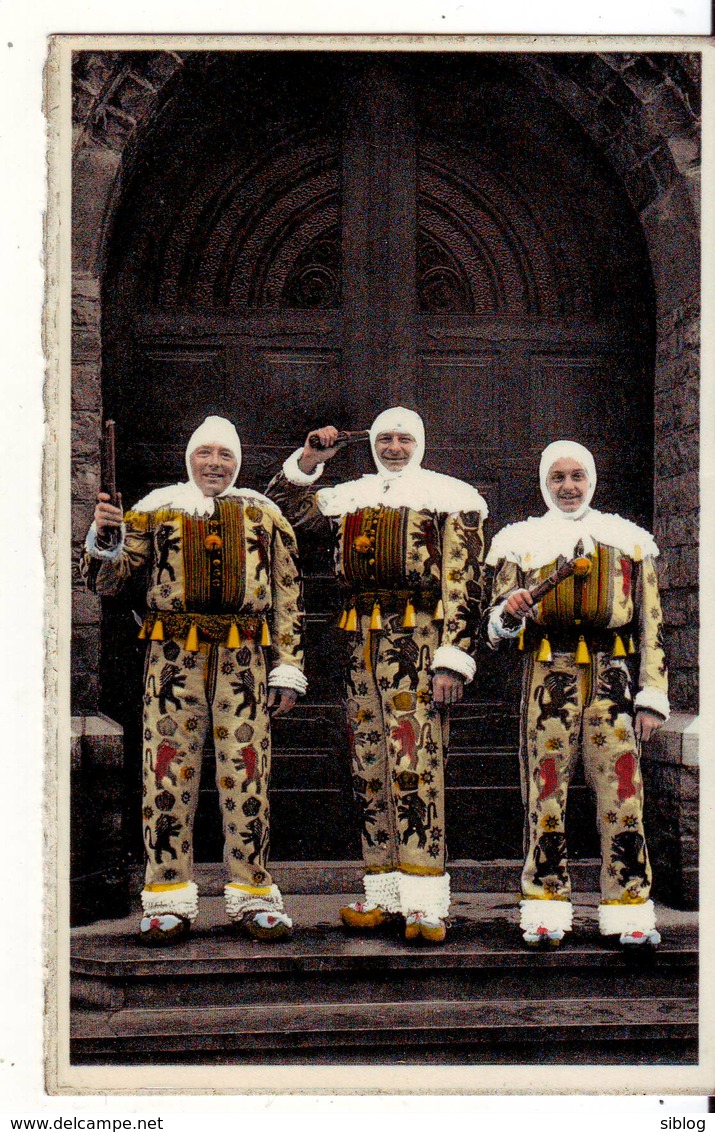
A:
{"x": 392, "y": 555}
{"x": 618, "y": 598}
{"x": 238, "y": 565}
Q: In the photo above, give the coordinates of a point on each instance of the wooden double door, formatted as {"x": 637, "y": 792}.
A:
{"x": 310, "y": 238}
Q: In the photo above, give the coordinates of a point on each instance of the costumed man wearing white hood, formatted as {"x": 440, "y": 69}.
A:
{"x": 579, "y": 693}
{"x": 408, "y": 550}
{"x": 223, "y": 585}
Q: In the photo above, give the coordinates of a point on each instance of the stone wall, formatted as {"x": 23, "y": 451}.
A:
{"x": 677, "y": 497}
{"x": 86, "y": 431}
{"x": 671, "y": 777}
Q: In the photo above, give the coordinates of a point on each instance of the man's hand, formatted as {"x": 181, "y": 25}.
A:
{"x": 520, "y": 604}
{"x": 447, "y": 686}
{"x": 106, "y": 516}
{"x": 311, "y": 457}
{"x": 647, "y": 723}
{"x": 287, "y": 700}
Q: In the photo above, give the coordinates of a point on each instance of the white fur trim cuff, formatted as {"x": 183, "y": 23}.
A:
{"x": 108, "y": 553}
{"x": 241, "y": 900}
{"x": 652, "y": 699}
{"x": 497, "y": 630}
{"x": 288, "y": 676}
{"x": 383, "y": 889}
{"x": 429, "y": 895}
{"x": 554, "y": 915}
{"x": 613, "y": 919}
{"x": 447, "y": 656}
{"x": 292, "y": 472}
{"x": 181, "y": 900}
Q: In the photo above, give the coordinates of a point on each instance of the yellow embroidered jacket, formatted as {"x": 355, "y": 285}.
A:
{"x": 237, "y": 566}
{"x": 616, "y": 606}
{"x": 395, "y": 554}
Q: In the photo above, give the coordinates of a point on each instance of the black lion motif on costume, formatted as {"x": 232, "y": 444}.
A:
{"x": 550, "y": 858}
{"x": 418, "y": 815}
{"x": 614, "y": 685}
{"x": 171, "y": 678}
{"x": 628, "y": 849}
{"x": 167, "y": 826}
{"x": 561, "y": 688}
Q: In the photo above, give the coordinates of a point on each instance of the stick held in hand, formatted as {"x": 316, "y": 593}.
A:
{"x": 343, "y": 439}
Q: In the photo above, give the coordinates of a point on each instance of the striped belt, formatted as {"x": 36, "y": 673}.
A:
{"x": 393, "y": 601}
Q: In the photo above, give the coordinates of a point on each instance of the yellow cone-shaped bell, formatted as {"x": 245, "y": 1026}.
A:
{"x": 438, "y": 614}
{"x": 631, "y": 646}
{"x": 142, "y": 632}
{"x": 637, "y": 553}
{"x": 343, "y": 619}
{"x": 265, "y": 636}
{"x": 192, "y": 640}
{"x": 157, "y": 633}
{"x": 376, "y": 619}
{"x": 408, "y": 621}
{"x": 520, "y": 640}
{"x": 619, "y": 649}
{"x": 582, "y": 654}
{"x": 544, "y": 655}
{"x": 234, "y": 637}
{"x": 351, "y": 621}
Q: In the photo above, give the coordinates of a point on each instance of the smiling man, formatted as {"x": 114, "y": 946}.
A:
{"x": 223, "y": 594}
{"x": 408, "y": 552}
{"x": 594, "y": 683}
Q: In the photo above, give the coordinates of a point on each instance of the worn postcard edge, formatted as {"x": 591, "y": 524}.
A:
{"x": 61, "y": 1078}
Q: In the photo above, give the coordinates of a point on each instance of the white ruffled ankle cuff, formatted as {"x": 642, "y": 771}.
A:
{"x": 241, "y": 900}
{"x": 383, "y": 889}
{"x": 429, "y": 895}
{"x": 181, "y": 900}
{"x": 613, "y": 919}
{"x": 554, "y": 915}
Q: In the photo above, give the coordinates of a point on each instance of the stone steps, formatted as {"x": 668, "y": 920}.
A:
{"x": 347, "y": 997}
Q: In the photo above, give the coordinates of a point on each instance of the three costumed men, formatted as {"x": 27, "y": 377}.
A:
{"x": 223, "y": 591}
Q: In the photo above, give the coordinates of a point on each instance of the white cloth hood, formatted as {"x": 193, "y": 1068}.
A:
{"x": 399, "y": 420}
{"x": 567, "y": 450}
{"x": 215, "y": 430}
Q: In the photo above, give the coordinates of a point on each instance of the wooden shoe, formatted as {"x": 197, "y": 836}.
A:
{"x": 636, "y": 939}
{"x": 163, "y": 930}
{"x": 363, "y": 916}
{"x": 420, "y": 927}
{"x": 269, "y": 927}
{"x": 542, "y": 937}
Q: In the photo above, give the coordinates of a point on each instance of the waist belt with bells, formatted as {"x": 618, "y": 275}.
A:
{"x": 581, "y": 642}
{"x": 377, "y": 602}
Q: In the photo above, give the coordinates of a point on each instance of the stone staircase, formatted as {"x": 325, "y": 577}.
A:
{"x": 328, "y": 997}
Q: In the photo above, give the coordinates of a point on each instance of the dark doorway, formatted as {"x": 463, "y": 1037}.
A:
{"x": 308, "y": 238}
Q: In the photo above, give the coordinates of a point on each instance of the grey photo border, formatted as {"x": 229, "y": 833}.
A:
{"x": 60, "y": 1076}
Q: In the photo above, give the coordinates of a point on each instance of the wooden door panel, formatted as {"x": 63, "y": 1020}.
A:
{"x": 308, "y": 383}
{"x": 390, "y": 231}
{"x": 459, "y": 395}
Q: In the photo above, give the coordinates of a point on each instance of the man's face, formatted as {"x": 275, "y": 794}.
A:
{"x": 213, "y": 468}
{"x": 567, "y": 484}
{"x": 394, "y": 450}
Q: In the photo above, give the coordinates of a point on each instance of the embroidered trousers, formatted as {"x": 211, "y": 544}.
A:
{"x": 567, "y": 709}
{"x": 398, "y": 738}
{"x": 185, "y": 694}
